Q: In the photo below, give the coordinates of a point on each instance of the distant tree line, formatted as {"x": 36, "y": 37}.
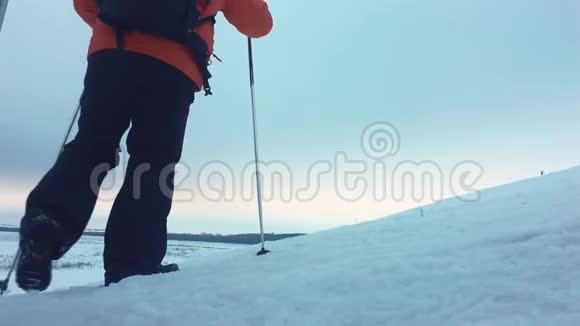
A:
{"x": 245, "y": 238}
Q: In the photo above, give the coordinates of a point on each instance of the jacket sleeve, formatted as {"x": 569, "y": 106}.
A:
{"x": 250, "y": 17}
{"x": 87, "y": 10}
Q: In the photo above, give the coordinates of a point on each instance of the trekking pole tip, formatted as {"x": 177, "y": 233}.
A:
{"x": 262, "y": 252}
{"x": 3, "y": 287}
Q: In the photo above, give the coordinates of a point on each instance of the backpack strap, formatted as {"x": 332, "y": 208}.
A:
{"x": 201, "y": 54}
{"x": 197, "y": 45}
{"x": 120, "y": 36}
{"x": 118, "y": 29}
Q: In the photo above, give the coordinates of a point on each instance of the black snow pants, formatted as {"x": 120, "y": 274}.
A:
{"x": 122, "y": 90}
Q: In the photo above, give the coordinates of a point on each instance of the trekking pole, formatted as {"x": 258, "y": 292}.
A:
{"x": 263, "y": 251}
{"x": 5, "y": 282}
{"x": 70, "y": 127}
{"x": 3, "y": 6}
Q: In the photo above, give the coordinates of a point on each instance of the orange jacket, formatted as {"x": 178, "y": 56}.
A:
{"x": 250, "y": 17}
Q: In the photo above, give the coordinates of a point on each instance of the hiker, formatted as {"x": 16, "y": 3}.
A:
{"x": 146, "y": 60}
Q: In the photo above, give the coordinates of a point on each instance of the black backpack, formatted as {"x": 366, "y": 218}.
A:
{"x": 169, "y": 19}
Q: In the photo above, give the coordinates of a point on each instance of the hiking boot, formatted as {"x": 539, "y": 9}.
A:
{"x": 112, "y": 278}
{"x": 41, "y": 239}
{"x": 169, "y": 268}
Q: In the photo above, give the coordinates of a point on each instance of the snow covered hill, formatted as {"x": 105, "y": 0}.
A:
{"x": 511, "y": 258}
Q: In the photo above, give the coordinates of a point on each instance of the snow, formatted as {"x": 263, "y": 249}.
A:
{"x": 510, "y": 258}
{"x": 83, "y": 263}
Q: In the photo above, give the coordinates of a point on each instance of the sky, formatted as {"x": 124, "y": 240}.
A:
{"x": 352, "y": 99}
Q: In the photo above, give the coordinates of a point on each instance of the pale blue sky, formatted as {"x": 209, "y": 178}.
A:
{"x": 497, "y": 82}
